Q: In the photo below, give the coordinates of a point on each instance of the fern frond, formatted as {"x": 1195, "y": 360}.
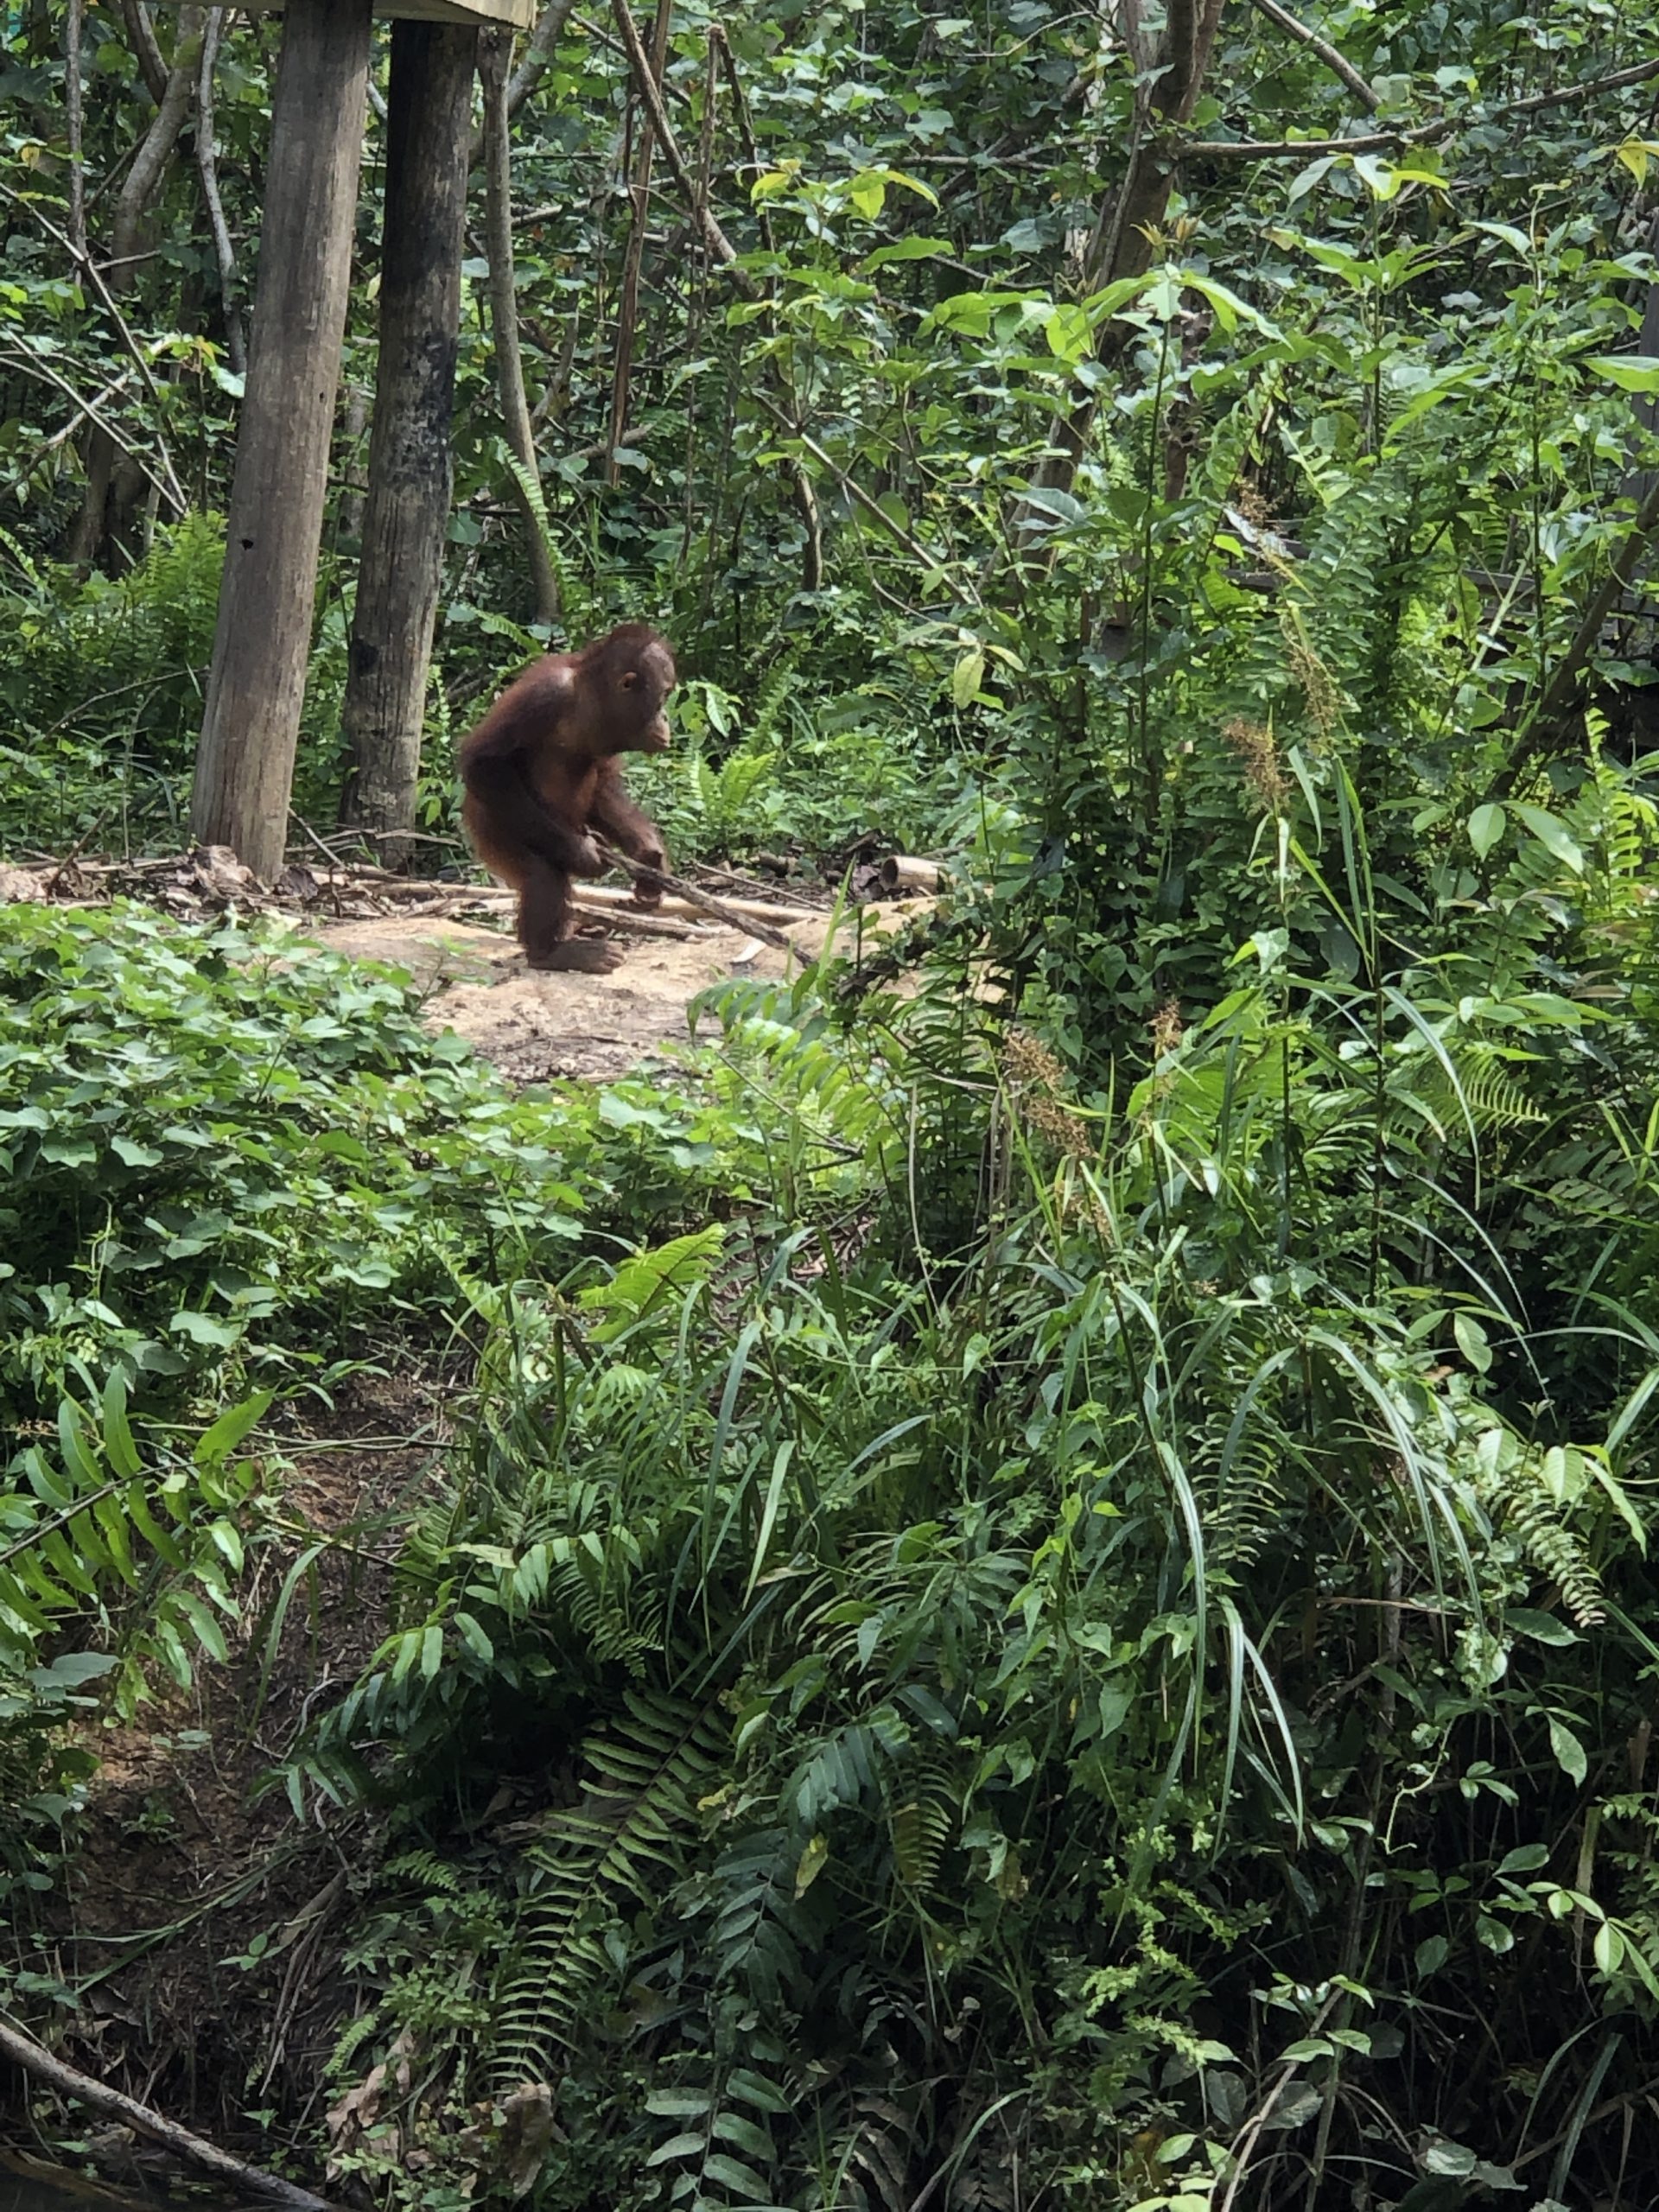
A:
{"x": 619, "y": 1844}
{"x": 921, "y": 1820}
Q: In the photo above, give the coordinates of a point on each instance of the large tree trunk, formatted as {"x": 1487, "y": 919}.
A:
{"x": 245, "y": 768}
{"x": 495, "y": 50}
{"x": 143, "y": 181}
{"x": 410, "y": 475}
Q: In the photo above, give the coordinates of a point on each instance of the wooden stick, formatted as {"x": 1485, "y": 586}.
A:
{"x": 643, "y": 924}
{"x": 718, "y": 907}
{"x": 753, "y": 910}
{"x": 35, "y": 2058}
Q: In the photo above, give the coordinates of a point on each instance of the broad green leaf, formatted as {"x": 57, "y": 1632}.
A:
{"x": 720, "y": 2166}
{"x": 812, "y": 1862}
{"x": 742, "y": 2083}
{"x": 475, "y": 1636}
{"x": 1486, "y": 825}
{"x": 1554, "y": 832}
{"x": 72, "y": 1437}
{"x": 1630, "y": 372}
{"x": 1068, "y": 333}
{"x": 216, "y": 1444}
{"x": 1379, "y": 177}
{"x": 1569, "y": 1751}
{"x": 911, "y": 249}
{"x": 121, "y": 1451}
{"x": 1471, "y": 1342}
{"x": 1525, "y": 1858}
{"x": 677, "y": 2146}
{"x": 744, "y": 2135}
{"x": 209, "y": 1633}
{"x": 967, "y": 676}
{"x": 678, "y": 2104}
{"x": 203, "y": 1329}
{"x": 1542, "y": 1628}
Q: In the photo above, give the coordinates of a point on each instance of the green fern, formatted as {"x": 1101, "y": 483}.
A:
{"x": 922, "y": 1818}
{"x": 619, "y": 1846}
{"x": 1525, "y": 1494}
{"x": 536, "y": 500}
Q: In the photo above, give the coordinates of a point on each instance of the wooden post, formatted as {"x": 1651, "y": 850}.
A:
{"x": 410, "y": 472}
{"x": 245, "y": 768}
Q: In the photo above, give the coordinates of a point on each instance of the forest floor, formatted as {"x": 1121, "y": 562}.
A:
{"x": 535, "y": 1027}
{"x": 203, "y": 1924}
{"x": 456, "y": 942}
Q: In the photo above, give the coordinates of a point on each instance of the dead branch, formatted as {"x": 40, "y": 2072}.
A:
{"x": 140, "y": 30}
{"x": 716, "y": 240}
{"x": 171, "y": 490}
{"x": 752, "y": 910}
{"x": 1420, "y": 134}
{"x": 207, "y": 170}
{"x": 629, "y": 920}
{"x": 72, "y": 30}
{"x": 532, "y": 64}
{"x": 1335, "y": 63}
{"x": 45, "y": 2066}
{"x": 627, "y": 310}
{"x": 1542, "y": 728}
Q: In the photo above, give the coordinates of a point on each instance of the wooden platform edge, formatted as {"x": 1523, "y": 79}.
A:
{"x": 516, "y": 15}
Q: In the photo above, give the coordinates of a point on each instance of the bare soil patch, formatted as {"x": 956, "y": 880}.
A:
{"x": 456, "y": 941}
{"x": 535, "y": 1026}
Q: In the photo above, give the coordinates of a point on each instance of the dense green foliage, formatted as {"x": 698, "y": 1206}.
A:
{"x": 1044, "y": 1596}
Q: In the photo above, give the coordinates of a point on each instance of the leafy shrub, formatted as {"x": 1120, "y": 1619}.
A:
{"x": 224, "y": 1145}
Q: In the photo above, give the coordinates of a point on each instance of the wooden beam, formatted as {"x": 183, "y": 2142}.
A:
{"x": 517, "y": 14}
{"x": 244, "y": 766}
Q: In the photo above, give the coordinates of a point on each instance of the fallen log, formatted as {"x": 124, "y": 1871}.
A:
{"x": 902, "y": 873}
{"x": 45, "y": 2066}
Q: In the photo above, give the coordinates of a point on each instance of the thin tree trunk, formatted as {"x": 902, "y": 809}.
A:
{"x": 532, "y": 63}
{"x": 495, "y": 50}
{"x": 348, "y": 510}
{"x": 72, "y": 27}
{"x": 207, "y": 169}
{"x": 143, "y": 181}
{"x": 1170, "y": 73}
{"x": 628, "y": 306}
{"x": 410, "y": 474}
{"x": 245, "y": 768}
{"x": 141, "y": 32}
{"x": 649, "y": 86}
